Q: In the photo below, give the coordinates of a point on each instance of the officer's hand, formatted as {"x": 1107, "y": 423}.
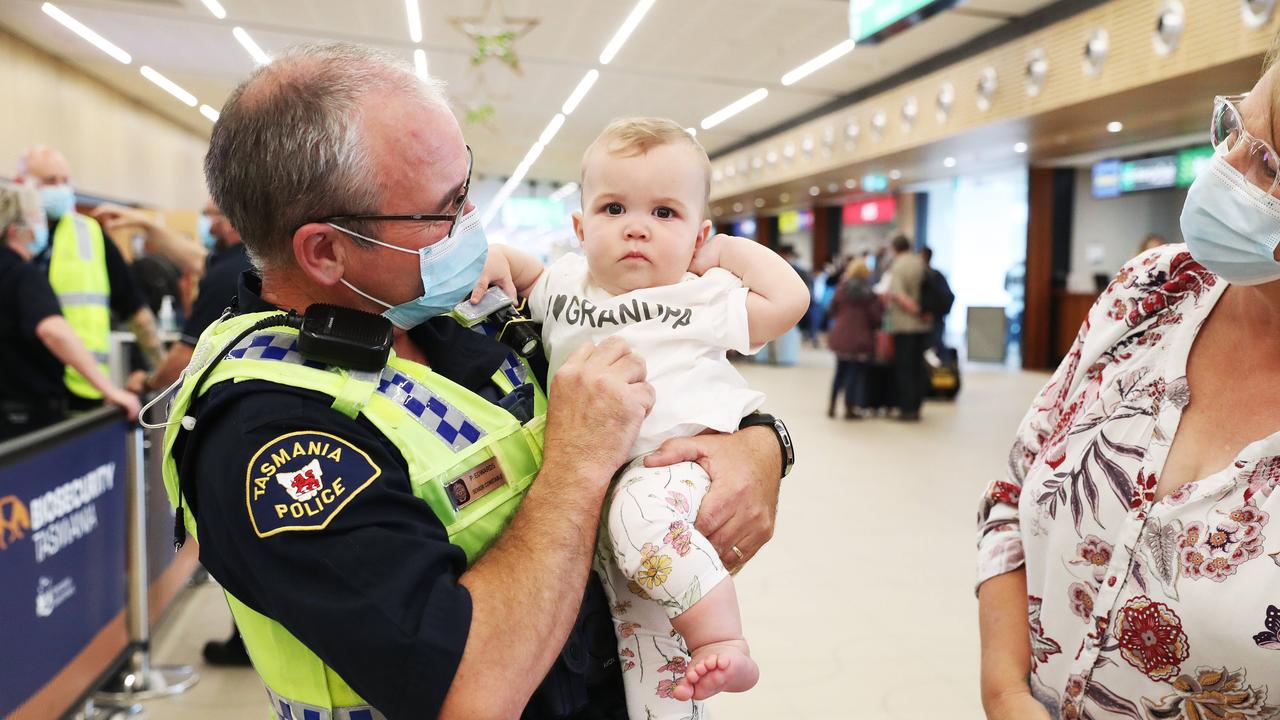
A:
{"x": 497, "y": 271}
{"x": 126, "y": 401}
{"x": 599, "y": 397}
{"x": 740, "y": 509}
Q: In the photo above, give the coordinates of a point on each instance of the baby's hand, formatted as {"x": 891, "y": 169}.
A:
{"x": 497, "y": 271}
{"x": 707, "y": 256}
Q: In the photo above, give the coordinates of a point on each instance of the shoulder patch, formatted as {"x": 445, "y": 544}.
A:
{"x": 302, "y": 480}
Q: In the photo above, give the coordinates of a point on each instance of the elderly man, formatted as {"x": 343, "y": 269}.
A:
{"x": 377, "y": 528}
{"x": 86, "y": 271}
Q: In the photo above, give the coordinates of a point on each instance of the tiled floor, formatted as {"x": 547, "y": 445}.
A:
{"x": 862, "y": 607}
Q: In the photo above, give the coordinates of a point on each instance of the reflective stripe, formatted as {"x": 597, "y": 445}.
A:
{"x": 439, "y": 417}
{"x": 515, "y": 370}
{"x": 272, "y": 346}
{"x": 286, "y": 709}
{"x": 84, "y": 241}
{"x": 84, "y": 299}
{"x": 442, "y": 419}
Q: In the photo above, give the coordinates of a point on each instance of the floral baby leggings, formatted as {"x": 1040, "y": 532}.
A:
{"x": 655, "y": 565}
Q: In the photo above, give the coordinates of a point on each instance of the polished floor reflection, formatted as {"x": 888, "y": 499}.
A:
{"x": 862, "y": 606}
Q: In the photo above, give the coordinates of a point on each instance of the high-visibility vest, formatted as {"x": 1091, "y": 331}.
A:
{"x": 78, "y": 274}
{"x": 443, "y": 431}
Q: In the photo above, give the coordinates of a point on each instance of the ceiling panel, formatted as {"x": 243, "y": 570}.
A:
{"x": 686, "y": 60}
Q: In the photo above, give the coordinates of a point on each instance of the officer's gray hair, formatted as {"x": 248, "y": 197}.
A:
{"x": 288, "y": 147}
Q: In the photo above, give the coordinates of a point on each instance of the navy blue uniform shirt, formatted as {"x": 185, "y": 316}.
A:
{"x": 363, "y": 573}
{"x": 217, "y": 290}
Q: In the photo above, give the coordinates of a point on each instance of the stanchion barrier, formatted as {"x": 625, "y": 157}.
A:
{"x": 139, "y": 679}
{"x": 73, "y": 571}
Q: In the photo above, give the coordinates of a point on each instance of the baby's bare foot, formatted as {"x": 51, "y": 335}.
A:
{"x": 718, "y": 667}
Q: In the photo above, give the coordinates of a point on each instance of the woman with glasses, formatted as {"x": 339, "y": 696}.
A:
{"x": 1128, "y": 560}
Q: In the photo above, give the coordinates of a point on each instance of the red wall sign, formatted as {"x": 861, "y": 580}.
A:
{"x": 871, "y": 212}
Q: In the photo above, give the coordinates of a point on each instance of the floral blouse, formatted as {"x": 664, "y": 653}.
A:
{"x": 1137, "y": 608}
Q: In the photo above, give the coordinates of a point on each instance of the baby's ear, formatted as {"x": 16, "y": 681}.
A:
{"x": 577, "y": 227}
{"x": 704, "y": 232}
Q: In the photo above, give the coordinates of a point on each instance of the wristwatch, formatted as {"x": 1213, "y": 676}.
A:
{"x": 780, "y": 430}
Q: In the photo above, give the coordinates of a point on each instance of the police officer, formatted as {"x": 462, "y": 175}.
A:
{"x": 87, "y": 272}
{"x": 36, "y": 342}
{"x": 322, "y": 492}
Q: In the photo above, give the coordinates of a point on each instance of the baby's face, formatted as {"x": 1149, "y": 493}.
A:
{"x": 642, "y": 216}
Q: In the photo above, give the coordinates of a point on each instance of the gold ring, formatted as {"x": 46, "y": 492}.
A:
{"x": 736, "y": 551}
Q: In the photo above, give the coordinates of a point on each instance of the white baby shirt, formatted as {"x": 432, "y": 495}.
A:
{"x": 682, "y": 331}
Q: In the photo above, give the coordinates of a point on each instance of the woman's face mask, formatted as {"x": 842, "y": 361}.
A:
{"x": 449, "y": 270}
{"x": 1231, "y": 218}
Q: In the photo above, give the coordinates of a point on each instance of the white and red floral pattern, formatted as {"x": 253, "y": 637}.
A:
{"x": 1161, "y": 603}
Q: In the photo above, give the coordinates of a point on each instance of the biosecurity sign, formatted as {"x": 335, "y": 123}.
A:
{"x": 62, "y": 555}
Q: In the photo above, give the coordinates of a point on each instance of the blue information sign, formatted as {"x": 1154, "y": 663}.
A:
{"x": 62, "y": 556}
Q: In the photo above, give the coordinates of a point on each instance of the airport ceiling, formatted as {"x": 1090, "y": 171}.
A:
{"x": 686, "y": 58}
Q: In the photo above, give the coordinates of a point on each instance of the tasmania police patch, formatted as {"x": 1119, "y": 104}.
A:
{"x": 301, "y": 480}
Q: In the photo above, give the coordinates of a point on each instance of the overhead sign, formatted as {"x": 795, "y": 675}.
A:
{"x": 794, "y": 221}
{"x": 1106, "y": 179}
{"x": 1153, "y": 173}
{"x": 874, "y": 20}
{"x": 876, "y": 211}
{"x": 874, "y": 183}
{"x": 1112, "y": 178}
{"x": 1191, "y": 161}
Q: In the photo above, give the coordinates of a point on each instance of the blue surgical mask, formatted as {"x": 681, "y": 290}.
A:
{"x": 450, "y": 269}
{"x": 204, "y": 227}
{"x": 58, "y": 200}
{"x": 39, "y": 238}
{"x": 1231, "y": 226}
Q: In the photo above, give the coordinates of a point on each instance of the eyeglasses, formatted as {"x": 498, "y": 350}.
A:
{"x": 1254, "y": 158}
{"x": 452, "y": 218}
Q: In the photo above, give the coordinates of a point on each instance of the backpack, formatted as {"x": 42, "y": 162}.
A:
{"x": 936, "y": 297}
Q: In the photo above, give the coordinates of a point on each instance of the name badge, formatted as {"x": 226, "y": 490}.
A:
{"x": 475, "y": 483}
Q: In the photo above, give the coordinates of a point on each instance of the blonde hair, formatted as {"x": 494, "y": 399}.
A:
{"x": 856, "y": 270}
{"x": 18, "y": 203}
{"x": 638, "y": 135}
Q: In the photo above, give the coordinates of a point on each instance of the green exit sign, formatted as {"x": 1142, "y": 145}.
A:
{"x": 874, "y": 20}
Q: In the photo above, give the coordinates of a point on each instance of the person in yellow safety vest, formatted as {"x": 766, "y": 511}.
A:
{"x": 87, "y": 272}
{"x": 377, "y": 527}
{"x": 36, "y": 342}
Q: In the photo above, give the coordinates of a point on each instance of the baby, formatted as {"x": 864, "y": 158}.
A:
{"x": 653, "y": 276}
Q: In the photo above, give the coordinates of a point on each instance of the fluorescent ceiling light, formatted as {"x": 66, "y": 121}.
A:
{"x": 949, "y": 162}
{"x": 168, "y": 86}
{"x": 564, "y": 191}
{"x": 580, "y": 92}
{"x": 624, "y": 32}
{"x": 216, "y": 8}
{"x": 415, "y": 20}
{"x": 693, "y": 132}
{"x": 1020, "y": 147}
{"x": 553, "y": 127}
{"x": 818, "y": 63}
{"x": 734, "y": 108}
{"x": 83, "y": 31}
{"x": 210, "y": 113}
{"x": 250, "y": 46}
{"x": 420, "y": 63}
